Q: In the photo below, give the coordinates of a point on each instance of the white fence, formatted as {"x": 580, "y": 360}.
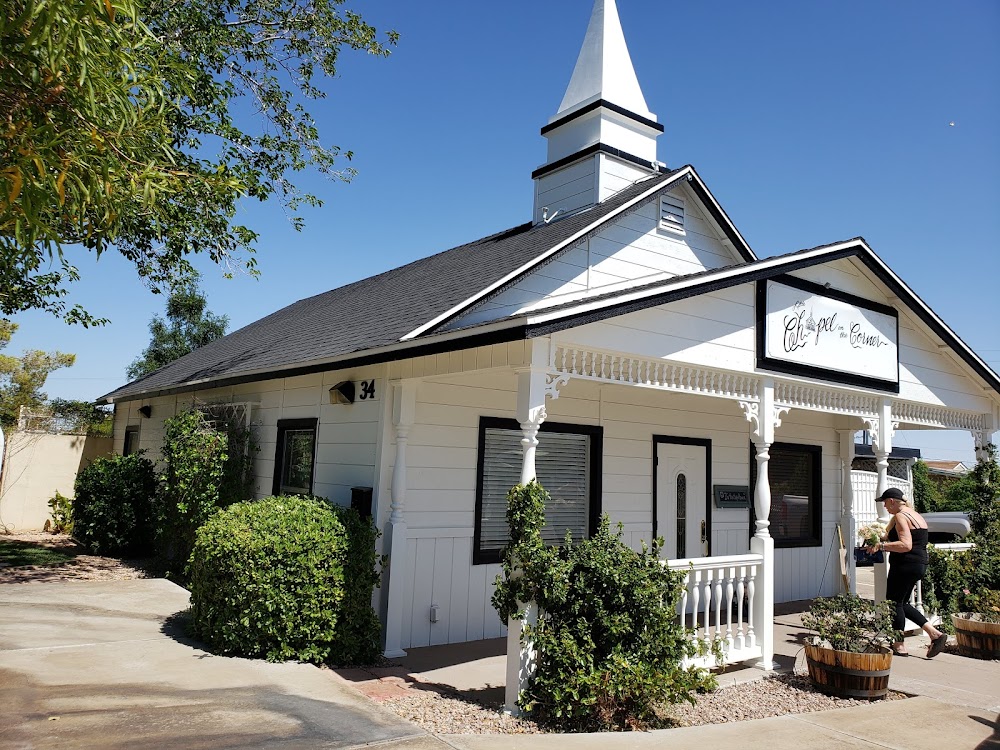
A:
{"x": 865, "y": 486}
{"x": 717, "y": 605}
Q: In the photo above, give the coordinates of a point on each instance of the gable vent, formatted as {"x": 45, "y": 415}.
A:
{"x": 672, "y": 213}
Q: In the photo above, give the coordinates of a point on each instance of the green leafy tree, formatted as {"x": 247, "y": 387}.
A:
{"x": 189, "y": 325}
{"x": 87, "y": 147}
{"x": 958, "y": 494}
{"x": 194, "y": 458}
{"x": 926, "y": 497}
{"x": 83, "y": 416}
{"x": 119, "y": 129}
{"x": 22, "y": 378}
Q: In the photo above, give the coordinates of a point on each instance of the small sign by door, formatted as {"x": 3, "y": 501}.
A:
{"x": 731, "y": 496}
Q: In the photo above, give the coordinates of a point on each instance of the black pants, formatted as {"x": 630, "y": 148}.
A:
{"x": 903, "y": 576}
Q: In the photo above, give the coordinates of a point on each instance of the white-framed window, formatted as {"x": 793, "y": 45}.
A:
{"x": 672, "y": 213}
{"x": 295, "y": 457}
{"x": 568, "y": 465}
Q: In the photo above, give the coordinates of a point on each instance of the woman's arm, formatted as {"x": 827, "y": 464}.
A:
{"x": 905, "y": 543}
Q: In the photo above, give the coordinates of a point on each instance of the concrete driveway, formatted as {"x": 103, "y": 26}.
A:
{"x": 101, "y": 665}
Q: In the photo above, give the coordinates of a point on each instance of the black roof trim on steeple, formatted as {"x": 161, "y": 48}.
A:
{"x": 607, "y": 105}
{"x": 590, "y": 151}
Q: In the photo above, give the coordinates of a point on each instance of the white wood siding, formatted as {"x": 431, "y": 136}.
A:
{"x": 615, "y": 175}
{"x": 566, "y": 189}
{"x": 347, "y": 435}
{"x": 632, "y": 250}
{"x": 442, "y": 455}
{"x": 714, "y": 329}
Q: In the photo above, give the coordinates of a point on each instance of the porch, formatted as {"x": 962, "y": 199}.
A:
{"x": 475, "y": 671}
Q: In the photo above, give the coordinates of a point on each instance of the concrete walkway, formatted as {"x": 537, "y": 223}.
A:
{"x": 99, "y": 665}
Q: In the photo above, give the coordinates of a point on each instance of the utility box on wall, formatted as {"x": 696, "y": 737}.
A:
{"x": 361, "y": 501}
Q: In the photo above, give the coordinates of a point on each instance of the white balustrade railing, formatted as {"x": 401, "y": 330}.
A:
{"x": 717, "y": 605}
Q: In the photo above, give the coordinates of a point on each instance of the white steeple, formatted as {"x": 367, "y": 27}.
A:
{"x": 604, "y": 68}
{"x": 603, "y": 137}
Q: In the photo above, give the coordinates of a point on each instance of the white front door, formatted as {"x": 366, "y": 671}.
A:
{"x": 681, "y": 499}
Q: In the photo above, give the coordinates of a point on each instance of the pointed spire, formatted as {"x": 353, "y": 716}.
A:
{"x": 603, "y": 136}
{"x": 604, "y": 68}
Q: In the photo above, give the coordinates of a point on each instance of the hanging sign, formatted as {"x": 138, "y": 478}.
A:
{"x": 807, "y": 329}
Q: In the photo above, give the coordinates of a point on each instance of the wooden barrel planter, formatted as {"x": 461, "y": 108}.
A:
{"x": 848, "y": 675}
{"x": 978, "y": 639}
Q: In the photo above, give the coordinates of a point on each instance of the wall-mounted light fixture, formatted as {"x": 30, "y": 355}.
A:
{"x": 342, "y": 393}
{"x": 146, "y": 410}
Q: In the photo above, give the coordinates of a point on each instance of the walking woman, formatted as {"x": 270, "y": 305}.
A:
{"x": 906, "y": 543}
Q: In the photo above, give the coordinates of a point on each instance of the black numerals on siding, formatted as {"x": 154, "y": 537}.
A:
{"x": 367, "y": 390}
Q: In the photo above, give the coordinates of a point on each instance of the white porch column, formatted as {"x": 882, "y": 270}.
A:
{"x": 534, "y": 383}
{"x": 764, "y": 416}
{"x": 847, "y": 523}
{"x": 881, "y": 429}
{"x": 403, "y": 407}
{"x": 981, "y": 438}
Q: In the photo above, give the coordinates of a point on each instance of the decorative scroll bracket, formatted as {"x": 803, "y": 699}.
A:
{"x": 553, "y": 382}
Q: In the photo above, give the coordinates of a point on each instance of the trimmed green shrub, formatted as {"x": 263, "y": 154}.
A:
{"x": 607, "y": 640}
{"x": 285, "y": 578}
{"x": 112, "y": 510}
{"x": 194, "y": 457}
{"x": 358, "y": 631}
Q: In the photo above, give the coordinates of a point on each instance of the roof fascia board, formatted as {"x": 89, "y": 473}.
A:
{"x": 721, "y": 217}
{"x": 539, "y": 259}
{"x": 674, "y": 289}
{"x": 507, "y": 330}
{"x": 931, "y": 319}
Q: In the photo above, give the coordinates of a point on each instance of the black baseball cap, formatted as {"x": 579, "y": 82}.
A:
{"x": 893, "y": 493}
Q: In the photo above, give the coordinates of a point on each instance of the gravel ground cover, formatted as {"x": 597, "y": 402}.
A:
{"x": 80, "y": 567}
{"x": 452, "y": 713}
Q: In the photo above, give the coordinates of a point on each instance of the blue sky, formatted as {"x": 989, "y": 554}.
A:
{"x": 811, "y": 122}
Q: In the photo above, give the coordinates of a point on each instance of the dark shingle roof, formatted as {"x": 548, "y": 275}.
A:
{"x": 376, "y": 311}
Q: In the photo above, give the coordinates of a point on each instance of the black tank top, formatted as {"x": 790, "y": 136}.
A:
{"x": 917, "y": 554}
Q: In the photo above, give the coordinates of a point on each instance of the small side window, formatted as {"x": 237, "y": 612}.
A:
{"x": 131, "y": 440}
{"x": 295, "y": 457}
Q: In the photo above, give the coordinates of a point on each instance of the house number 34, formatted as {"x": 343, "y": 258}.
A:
{"x": 367, "y": 390}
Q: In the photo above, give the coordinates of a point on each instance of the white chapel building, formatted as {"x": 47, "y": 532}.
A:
{"x": 626, "y": 347}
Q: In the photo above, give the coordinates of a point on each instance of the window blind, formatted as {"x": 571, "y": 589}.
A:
{"x": 562, "y": 467}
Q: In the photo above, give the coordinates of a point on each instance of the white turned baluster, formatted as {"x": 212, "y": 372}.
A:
{"x": 740, "y": 591}
{"x": 718, "y": 604}
{"x": 729, "y": 607}
{"x": 751, "y": 635}
{"x": 708, "y": 605}
{"x": 684, "y": 599}
{"x": 695, "y": 599}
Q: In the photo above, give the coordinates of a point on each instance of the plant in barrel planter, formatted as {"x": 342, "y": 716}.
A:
{"x": 851, "y": 655}
{"x": 978, "y": 630}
